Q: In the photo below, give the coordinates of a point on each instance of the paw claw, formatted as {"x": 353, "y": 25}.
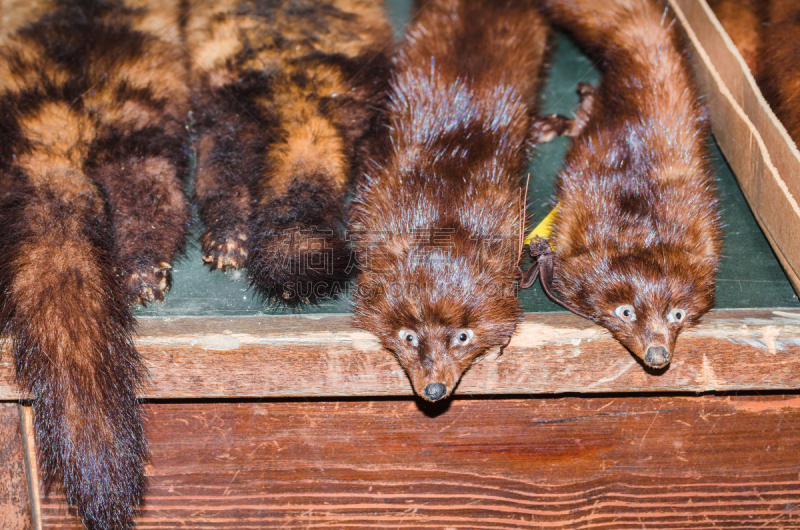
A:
{"x": 148, "y": 283}
{"x": 224, "y": 253}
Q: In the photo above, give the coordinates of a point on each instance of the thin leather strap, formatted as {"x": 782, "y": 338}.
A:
{"x": 543, "y": 268}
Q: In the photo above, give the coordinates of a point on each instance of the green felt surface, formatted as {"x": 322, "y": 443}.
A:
{"x": 750, "y": 275}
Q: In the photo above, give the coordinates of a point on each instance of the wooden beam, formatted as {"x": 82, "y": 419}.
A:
{"x": 670, "y": 462}
{"x": 323, "y": 356}
{"x": 28, "y": 436}
{"x": 15, "y": 512}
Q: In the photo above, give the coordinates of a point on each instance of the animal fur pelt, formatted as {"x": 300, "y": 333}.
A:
{"x": 779, "y": 71}
{"x": 91, "y": 214}
{"x": 767, "y": 35}
{"x": 637, "y": 236}
{"x": 744, "y": 21}
{"x": 438, "y": 215}
{"x": 289, "y": 99}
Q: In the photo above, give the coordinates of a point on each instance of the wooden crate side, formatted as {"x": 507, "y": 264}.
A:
{"x": 578, "y": 463}
{"x": 763, "y": 157}
{"x": 15, "y": 508}
{"x": 323, "y": 356}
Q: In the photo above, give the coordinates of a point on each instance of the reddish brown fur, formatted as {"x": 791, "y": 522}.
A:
{"x": 438, "y": 217}
{"x": 767, "y": 34}
{"x": 779, "y": 70}
{"x": 91, "y": 213}
{"x": 289, "y": 98}
{"x": 743, "y": 20}
{"x": 639, "y": 219}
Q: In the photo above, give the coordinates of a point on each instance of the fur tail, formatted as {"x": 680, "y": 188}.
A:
{"x": 60, "y": 301}
{"x": 615, "y": 29}
{"x": 297, "y": 250}
{"x": 298, "y": 253}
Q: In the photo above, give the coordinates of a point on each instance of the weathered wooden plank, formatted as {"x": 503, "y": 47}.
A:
{"x": 15, "y": 513}
{"x": 569, "y": 462}
{"x": 323, "y": 356}
{"x": 28, "y": 433}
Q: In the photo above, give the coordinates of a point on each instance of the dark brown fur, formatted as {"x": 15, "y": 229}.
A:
{"x": 290, "y": 97}
{"x": 639, "y": 219}
{"x": 438, "y": 217}
{"x": 91, "y": 213}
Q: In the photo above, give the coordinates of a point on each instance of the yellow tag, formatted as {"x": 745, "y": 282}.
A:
{"x": 543, "y": 229}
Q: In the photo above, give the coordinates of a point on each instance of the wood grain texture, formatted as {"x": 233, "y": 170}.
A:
{"x": 28, "y": 433}
{"x": 323, "y": 356}
{"x": 15, "y": 513}
{"x": 571, "y": 462}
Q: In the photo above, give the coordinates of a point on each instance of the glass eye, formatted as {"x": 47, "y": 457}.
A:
{"x": 676, "y": 315}
{"x": 409, "y": 336}
{"x": 626, "y": 313}
{"x": 463, "y": 336}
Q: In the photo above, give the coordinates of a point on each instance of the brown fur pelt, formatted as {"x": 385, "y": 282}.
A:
{"x": 743, "y": 20}
{"x": 290, "y": 97}
{"x": 637, "y": 237}
{"x": 779, "y": 69}
{"x": 438, "y": 216}
{"x": 767, "y": 35}
{"x": 91, "y": 213}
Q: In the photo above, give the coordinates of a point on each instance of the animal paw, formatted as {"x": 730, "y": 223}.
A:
{"x": 547, "y": 128}
{"x": 149, "y": 283}
{"x": 586, "y": 92}
{"x": 224, "y": 253}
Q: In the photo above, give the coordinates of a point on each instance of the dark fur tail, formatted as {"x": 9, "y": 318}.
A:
{"x": 298, "y": 250}
{"x": 297, "y": 253}
{"x": 61, "y": 303}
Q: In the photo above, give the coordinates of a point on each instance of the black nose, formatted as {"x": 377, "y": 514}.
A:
{"x": 435, "y": 391}
{"x": 656, "y": 356}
